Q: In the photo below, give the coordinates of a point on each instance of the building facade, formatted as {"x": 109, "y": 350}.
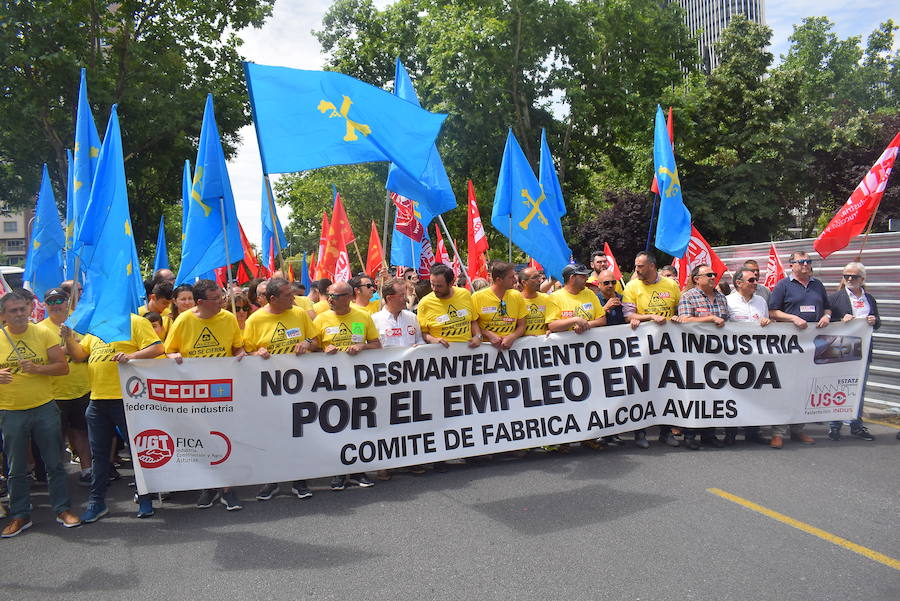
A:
{"x": 14, "y": 233}
{"x": 709, "y": 18}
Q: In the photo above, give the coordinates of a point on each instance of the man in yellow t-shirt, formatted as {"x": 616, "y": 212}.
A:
{"x": 321, "y": 305}
{"x": 72, "y": 392}
{"x": 574, "y": 307}
{"x": 344, "y": 327}
{"x": 306, "y": 305}
{"x": 536, "y": 302}
{"x": 500, "y": 308}
{"x": 446, "y": 314}
{"x": 280, "y": 328}
{"x": 106, "y": 411}
{"x": 363, "y": 291}
{"x": 207, "y": 331}
{"x": 650, "y": 297}
{"x": 29, "y": 355}
{"x": 350, "y": 330}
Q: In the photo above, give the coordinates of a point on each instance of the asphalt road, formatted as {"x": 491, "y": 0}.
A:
{"x": 612, "y": 524}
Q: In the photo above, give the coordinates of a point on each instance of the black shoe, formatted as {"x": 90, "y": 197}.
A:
{"x": 834, "y": 433}
{"x": 267, "y": 492}
{"x": 669, "y": 439}
{"x": 360, "y": 480}
{"x": 640, "y": 440}
{"x": 207, "y": 498}
{"x": 692, "y": 443}
{"x": 712, "y": 441}
{"x": 301, "y": 490}
{"x": 861, "y": 432}
{"x": 757, "y": 438}
{"x": 339, "y": 483}
{"x": 230, "y": 501}
{"x": 114, "y": 474}
{"x": 614, "y": 439}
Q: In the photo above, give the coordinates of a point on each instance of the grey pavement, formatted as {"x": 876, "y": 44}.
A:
{"x": 615, "y": 524}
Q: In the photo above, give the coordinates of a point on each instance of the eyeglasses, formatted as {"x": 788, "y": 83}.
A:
{"x": 847, "y": 276}
{"x": 803, "y": 262}
{"x": 751, "y": 280}
{"x": 243, "y": 308}
{"x": 334, "y": 295}
{"x": 608, "y": 282}
{"x": 711, "y": 274}
{"x": 370, "y": 285}
{"x": 59, "y": 301}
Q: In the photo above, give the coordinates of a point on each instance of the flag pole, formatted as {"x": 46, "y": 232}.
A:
{"x": 455, "y": 251}
{"x": 271, "y": 200}
{"x": 227, "y": 258}
{"x": 387, "y": 215}
{"x": 652, "y": 215}
{"x": 868, "y": 231}
{"x": 362, "y": 264}
{"x": 73, "y": 297}
{"x": 509, "y": 241}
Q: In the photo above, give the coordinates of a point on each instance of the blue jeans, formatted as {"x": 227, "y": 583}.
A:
{"x": 102, "y": 417}
{"x": 40, "y": 424}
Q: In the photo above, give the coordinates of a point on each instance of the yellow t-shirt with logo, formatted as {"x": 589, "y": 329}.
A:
{"x": 280, "y": 333}
{"x": 495, "y": 315}
{"x": 77, "y": 382}
{"x": 342, "y": 331}
{"x": 565, "y": 305}
{"x": 216, "y": 336}
{"x": 303, "y": 302}
{"x": 536, "y": 314}
{"x": 26, "y": 391}
{"x": 321, "y": 306}
{"x": 448, "y": 318}
{"x": 660, "y": 298}
{"x": 372, "y": 308}
{"x": 104, "y": 371}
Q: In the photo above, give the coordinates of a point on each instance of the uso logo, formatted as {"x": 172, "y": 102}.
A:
{"x": 189, "y": 391}
{"x": 154, "y": 448}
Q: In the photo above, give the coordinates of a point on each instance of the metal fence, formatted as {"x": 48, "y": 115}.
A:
{"x": 881, "y": 256}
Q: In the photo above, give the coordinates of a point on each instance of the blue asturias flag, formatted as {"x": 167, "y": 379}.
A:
{"x": 185, "y": 197}
{"x": 548, "y": 178}
{"x": 70, "y": 216}
{"x": 112, "y": 279}
{"x": 87, "y": 153}
{"x": 161, "y": 261}
{"x": 310, "y": 119}
{"x": 268, "y": 237}
{"x": 535, "y": 223}
{"x": 431, "y": 192}
{"x": 44, "y": 262}
{"x": 304, "y": 274}
{"x": 203, "y": 247}
{"x": 673, "y": 229}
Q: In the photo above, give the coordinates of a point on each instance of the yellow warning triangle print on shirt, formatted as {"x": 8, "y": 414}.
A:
{"x": 279, "y": 335}
{"x": 23, "y": 351}
{"x": 206, "y": 340}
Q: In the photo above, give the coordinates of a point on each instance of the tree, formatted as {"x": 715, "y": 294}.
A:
{"x": 156, "y": 59}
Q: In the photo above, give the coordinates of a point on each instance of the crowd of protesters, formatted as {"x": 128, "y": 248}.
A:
{"x": 59, "y": 389}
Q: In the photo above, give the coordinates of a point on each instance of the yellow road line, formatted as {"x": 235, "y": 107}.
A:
{"x": 837, "y": 540}
{"x": 881, "y": 423}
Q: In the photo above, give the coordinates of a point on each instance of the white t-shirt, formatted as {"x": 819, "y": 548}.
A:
{"x": 402, "y": 331}
{"x": 859, "y": 304}
{"x": 740, "y": 309}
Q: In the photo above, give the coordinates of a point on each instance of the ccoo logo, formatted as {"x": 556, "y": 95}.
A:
{"x": 154, "y": 448}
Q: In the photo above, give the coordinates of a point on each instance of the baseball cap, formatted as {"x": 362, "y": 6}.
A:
{"x": 56, "y": 293}
{"x": 574, "y": 269}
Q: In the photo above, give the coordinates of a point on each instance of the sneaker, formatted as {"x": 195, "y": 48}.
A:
{"x": 207, "y": 498}
{"x": 39, "y": 476}
{"x": 669, "y": 439}
{"x": 114, "y": 474}
{"x": 834, "y": 433}
{"x": 15, "y": 527}
{"x": 68, "y": 519}
{"x": 339, "y": 483}
{"x": 145, "y": 507}
{"x": 85, "y": 479}
{"x": 94, "y": 512}
{"x": 230, "y": 501}
{"x": 267, "y": 492}
{"x": 640, "y": 440}
{"x": 861, "y": 432}
{"x": 361, "y": 480}
{"x": 301, "y": 490}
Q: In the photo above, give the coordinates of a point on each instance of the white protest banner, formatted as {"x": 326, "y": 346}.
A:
{"x": 220, "y": 422}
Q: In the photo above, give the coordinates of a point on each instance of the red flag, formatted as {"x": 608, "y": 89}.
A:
{"x": 375, "y": 256}
{"x": 406, "y": 221}
{"x": 440, "y": 254}
{"x": 613, "y": 264}
{"x": 478, "y": 244}
{"x": 221, "y": 276}
{"x": 323, "y": 243}
{"x": 852, "y": 217}
{"x": 698, "y": 252}
{"x": 271, "y": 260}
{"x": 774, "y": 269}
{"x": 249, "y": 265}
{"x": 290, "y": 272}
{"x": 670, "y": 125}
{"x": 534, "y": 264}
{"x": 312, "y": 267}
{"x": 426, "y": 258}
{"x": 340, "y": 222}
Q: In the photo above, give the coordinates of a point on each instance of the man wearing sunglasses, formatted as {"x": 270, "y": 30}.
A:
{"x": 363, "y": 291}
{"x": 500, "y": 308}
{"x": 800, "y": 299}
{"x": 280, "y": 328}
{"x": 702, "y": 303}
{"x": 608, "y": 294}
{"x": 761, "y": 290}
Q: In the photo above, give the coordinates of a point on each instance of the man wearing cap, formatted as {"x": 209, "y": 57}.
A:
{"x": 29, "y": 355}
{"x": 573, "y": 307}
{"x": 72, "y": 392}
{"x": 500, "y": 308}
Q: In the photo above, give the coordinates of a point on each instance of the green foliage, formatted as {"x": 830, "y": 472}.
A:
{"x": 156, "y": 59}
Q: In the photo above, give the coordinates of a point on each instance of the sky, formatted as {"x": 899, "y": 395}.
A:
{"x": 286, "y": 40}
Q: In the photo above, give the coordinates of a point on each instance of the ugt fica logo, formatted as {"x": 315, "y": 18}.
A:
{"x": 154, "y": 448}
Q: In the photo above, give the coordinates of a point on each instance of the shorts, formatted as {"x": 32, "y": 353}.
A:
{"x": 71, "y": 414}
